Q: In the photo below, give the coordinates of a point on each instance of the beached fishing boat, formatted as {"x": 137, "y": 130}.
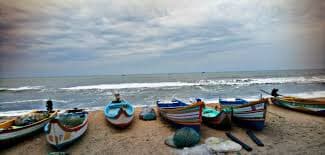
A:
{"x": 181, "y": 114}
{"x": 119, "y": 114}
{"x": 250, "y": 115}
{"x": 24, "y": 125}
{"x": 66, "y": 128}
{"x": 312, "y": 106}
{"x": 219, "y": 119}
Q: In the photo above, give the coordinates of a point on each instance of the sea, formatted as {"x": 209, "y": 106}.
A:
{"x": 21, "y": 95}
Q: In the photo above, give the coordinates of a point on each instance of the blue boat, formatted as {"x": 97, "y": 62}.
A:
{"x": 236, "y": 101}
{"x": 175, "y": 103}
{"x": 119, "y": 114}
{"x": 180, "y": 114}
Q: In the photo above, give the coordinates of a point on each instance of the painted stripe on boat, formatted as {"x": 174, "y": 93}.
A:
{"x": 257, "y": 114}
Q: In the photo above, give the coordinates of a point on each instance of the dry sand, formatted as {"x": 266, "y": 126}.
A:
{"x": 287, "y": 132}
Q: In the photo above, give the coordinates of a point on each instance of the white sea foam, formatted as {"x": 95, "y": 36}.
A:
{"x": 94, "y": 108}
{"x": 312, "y": 94}
{"x": 174, "y": 85}
{"x": 278, "y": 80}
{"x": 14, "y": 113}
{"x": 34, "y": 100}
{"x": 132, "y": 85}
{"x": 231, "y": 82}
{"x": 22, "y": 88}
{"x": 22, "y": 112}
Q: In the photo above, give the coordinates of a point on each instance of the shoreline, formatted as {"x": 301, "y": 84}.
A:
{"x": 286, "y": 132}
{"x": 14, "y": 113}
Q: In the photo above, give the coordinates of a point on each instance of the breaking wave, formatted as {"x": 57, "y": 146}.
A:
{"x": 311, "y": 94}
{"x": 230, "y": 82}
{"x": 34, "y": 100}
{"x": 14, "y": 113}
{"x": 24, "y": 88}
{"x": 131, "y": 85}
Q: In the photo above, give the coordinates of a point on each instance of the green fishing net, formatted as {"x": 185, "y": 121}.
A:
{"x": 71, "y": 120}
{"x": 186, "y": 137}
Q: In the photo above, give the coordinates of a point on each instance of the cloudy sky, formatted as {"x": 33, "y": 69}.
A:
{"x": 82, "y": 37}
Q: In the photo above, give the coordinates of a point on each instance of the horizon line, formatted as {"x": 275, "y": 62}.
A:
{"x": 125, "y": 74}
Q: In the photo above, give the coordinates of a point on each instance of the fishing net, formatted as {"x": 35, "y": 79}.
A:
{"x": 30, "y": 118}
{"x": 71, "y": 120}
{"x": 186, "y": 137}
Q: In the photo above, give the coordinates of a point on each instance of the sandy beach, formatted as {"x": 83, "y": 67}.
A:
{"x": 287, "y": 132}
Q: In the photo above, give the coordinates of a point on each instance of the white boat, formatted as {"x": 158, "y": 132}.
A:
{"x": 66, "y": 128}
{"x": 12, "y": 129}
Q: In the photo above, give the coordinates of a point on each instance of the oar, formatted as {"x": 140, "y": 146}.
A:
{"x": 233, "y": 138}
{"x": 266, "y": 92}
{"x": 251, "y": 135}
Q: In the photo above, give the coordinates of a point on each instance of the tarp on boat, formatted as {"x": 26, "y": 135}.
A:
{"x": 147, "y": 114}
{"x": 217, "y": 145}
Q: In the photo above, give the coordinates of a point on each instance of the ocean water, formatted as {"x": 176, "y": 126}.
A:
{"x": 19, "y": 95}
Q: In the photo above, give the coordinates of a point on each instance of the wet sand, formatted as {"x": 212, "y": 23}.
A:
{"x": 287, "y": 132}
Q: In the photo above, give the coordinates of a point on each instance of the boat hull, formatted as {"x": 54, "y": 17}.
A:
{"x": 310, "y": 106}
{"x": 257, "y": 124}
{"x": 60, "y": 136}
{"x": 23, "y": 132}
{"x": 122, "y": 120}
{"x": 8, "y": 136}
{"x": 236, "y": 101}
{"x": 182, "y": 116}
{"x": 251, "y": 115}
{"x": 119, "y": 115}
{"x": 222, "y": 121}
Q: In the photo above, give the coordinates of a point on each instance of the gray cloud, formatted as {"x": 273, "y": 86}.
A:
{"x": 104, "y": 35}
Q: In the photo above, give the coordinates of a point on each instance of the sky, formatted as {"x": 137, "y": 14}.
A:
{"x": 82, "y": 37}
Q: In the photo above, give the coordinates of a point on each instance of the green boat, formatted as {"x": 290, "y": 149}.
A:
{"x": 312, "y": 106}
{"x": 218, "y": 119}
